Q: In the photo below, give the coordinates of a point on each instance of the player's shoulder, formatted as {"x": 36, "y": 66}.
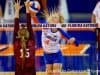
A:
{"x": 97, "y": 8}
{"x": 98, "y": 4}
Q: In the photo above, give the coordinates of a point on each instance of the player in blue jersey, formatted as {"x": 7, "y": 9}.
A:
{"x": 51, "y": 45}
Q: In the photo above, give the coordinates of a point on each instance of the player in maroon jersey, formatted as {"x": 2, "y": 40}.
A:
{"x": 24, "y": 44}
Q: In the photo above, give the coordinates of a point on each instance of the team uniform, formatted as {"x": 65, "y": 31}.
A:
{"x": 26, "y": 66}
{"x": 51, "y": 46}
{"x": 96, "y": 12}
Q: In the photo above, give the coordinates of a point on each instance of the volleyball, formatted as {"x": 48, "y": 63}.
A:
{"x": 34, "y": 7}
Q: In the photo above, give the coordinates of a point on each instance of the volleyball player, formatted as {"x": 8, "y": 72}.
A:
{"x": 24, "y": 44}
{"x": 51, "y": 46}
{"x": 96, "y": 14}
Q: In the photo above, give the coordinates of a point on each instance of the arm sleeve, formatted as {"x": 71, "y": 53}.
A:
{"x": 65, "y": 34}
{"x": 16, "y": 28}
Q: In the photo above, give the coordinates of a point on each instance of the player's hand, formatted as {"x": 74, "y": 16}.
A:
{"x": 71, "y": 40}
{"x": 17, "y": 6}
{"x": 27, "y": 3}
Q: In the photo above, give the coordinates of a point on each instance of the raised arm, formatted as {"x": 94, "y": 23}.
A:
{"x": 31, "y": 16}
{"x": 29, "y": 25}
{"x": 16, "y": 20}
{"x": 70, "y": 39}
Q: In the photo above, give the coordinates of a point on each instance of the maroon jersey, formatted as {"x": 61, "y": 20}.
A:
{"x": 26, "y": 66}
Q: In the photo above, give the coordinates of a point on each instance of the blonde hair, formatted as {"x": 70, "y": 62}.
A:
{"x": 54, "y": 14}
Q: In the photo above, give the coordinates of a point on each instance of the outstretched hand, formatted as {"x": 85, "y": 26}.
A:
{"x": 17, "y": 6}
{"x": 71, "y": 40}
{"x": 27, "y": 5}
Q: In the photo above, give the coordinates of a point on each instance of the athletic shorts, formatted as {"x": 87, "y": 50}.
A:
{"x": 53, "y": 58}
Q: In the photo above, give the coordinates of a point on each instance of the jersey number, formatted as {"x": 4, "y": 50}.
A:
{"x": 27, "y": 54}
